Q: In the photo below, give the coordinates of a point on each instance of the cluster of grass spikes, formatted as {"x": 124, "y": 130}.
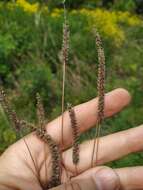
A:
{"x": 40, "y": 128}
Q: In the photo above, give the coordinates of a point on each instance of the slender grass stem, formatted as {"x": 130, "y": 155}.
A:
{"x": 63, "y": 103}
{"x": 65, "y": 51}
{"x": 31, "y": 156}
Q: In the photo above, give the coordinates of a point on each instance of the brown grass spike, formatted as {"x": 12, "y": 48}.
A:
{"x": 101, "y": 95}
{"x": 56, "y": 157}
{"x": 11, "y": 114}
{"x": 15, "y": 121}
{"x": 40, "y": 112}
{"x": 41, "y": 124}
{"x": 54, "y": 149}
{"x": 75, "y": 133}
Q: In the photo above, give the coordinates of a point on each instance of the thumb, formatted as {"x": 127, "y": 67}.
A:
{"x": 101, "y": 178}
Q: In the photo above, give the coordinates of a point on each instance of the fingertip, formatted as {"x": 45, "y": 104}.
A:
{"x": 124, "y": 94}
{"x": 116, "y": 100}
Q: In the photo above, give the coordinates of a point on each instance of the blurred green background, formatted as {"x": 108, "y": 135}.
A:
{"x": 30, "y": 59}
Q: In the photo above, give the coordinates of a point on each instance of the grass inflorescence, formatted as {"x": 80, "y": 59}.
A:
{"x": 54, "y": 149}
{"x": 75, "y": 134}
{"x": 41, "y": 134}
{"x": 101, "y": 95}
{"x": 40, "y": 129}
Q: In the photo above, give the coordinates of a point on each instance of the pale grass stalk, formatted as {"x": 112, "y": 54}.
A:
{"x": 65, "y": 51}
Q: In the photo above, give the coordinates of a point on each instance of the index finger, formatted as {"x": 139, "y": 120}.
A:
{"x": 86, "y": 115}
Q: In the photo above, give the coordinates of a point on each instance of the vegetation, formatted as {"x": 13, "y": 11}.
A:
{"x": 30, "y": 61}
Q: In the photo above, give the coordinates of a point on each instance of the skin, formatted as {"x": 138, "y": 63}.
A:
{"x": 18, "y": 172}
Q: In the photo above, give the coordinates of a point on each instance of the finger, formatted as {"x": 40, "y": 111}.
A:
{"x": 102, "y": 178}
{"x": 111, "y": 147}
{"x": 131, "y": 178}
{"x": 86, "y": 115}
{"x": 78, "y": 185}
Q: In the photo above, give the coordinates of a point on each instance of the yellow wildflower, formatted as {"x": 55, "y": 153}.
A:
{"x": 56, "y": 12}
{"x": 126, "y": 17}
{"x": 108, "y": 22}
{"x": 27, "y": 7}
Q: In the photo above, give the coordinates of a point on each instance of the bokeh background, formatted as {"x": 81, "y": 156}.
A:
{"x": 30, "y": 59}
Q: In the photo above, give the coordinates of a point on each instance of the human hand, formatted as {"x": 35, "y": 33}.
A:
{"x": 17, "y": 170}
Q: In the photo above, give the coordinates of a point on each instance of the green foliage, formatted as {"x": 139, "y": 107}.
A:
{"x": 70, "y": 3}
{"x": 6, "y": 45}
{"x": 130, "y": 5}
